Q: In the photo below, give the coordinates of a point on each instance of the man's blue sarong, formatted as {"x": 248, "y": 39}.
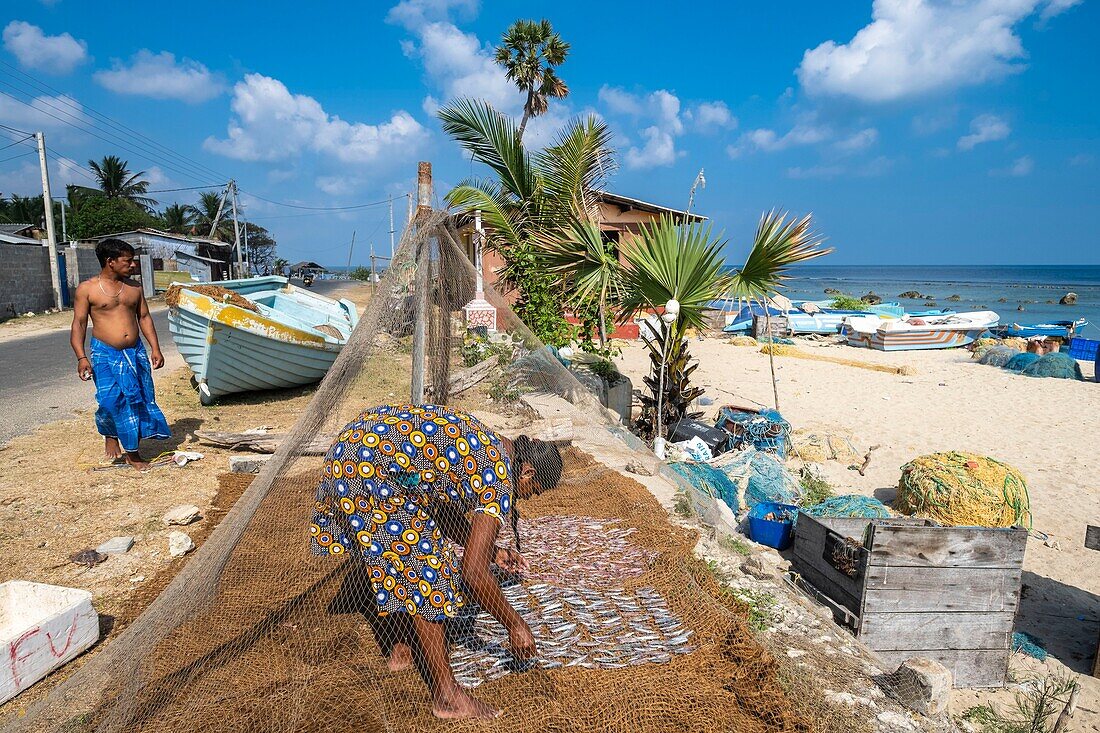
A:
{"x": 124, "y": 390}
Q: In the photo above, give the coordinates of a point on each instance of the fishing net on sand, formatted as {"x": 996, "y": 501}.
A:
{"x": 998, "y": 356}
{"x": 258, "y": 634}
{"x": 1055, "y": 366}
{"x": 964, "y": 489}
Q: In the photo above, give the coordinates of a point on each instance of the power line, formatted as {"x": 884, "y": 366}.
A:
{"x": 129, "y": 131}
{"x": 13, "y": 129}
{"x": 320, "y": 208}
{"x": 11, "y": 145}
{"x": 186, "y": 188}
{"x": 83, "y": 127}
{"x": 29, "y": 152}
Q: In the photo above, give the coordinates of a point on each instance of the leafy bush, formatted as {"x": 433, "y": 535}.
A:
{"x": 848, "y": 303}
{"x": 814, "y": 490}
{"x": 360, "y": 273}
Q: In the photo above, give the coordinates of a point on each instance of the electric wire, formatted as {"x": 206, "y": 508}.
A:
{"x": 12, "y": 145}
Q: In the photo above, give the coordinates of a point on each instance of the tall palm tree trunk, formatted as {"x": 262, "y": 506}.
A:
{"x": 526, "y": 113}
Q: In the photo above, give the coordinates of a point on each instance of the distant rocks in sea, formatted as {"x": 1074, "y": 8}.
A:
{"x": 1019, "y": 307}
{"x": 1068, "y": 299}
{"x": 1002, "y": 300}
{"x": 916, "y": 295}
{"x": 930, "y": 303}
{"x": 871, "y": 298}
{"x": 954, "y": 298}
{"x": 832, "y": 291}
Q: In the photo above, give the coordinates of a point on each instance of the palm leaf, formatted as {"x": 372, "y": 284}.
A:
{"x": 576, "y": 166}
{"x": 779, "y": 244}
{"x": 491, "y": 138}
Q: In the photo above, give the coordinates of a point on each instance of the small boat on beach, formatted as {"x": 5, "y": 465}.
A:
{"x": 1062, "y": 329}
{"x": 942, "y": 332}
{"x": 815, "y": 316}
{"x": 257, "y": 333}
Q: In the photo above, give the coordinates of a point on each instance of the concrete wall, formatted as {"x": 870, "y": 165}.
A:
{"x": 80, "y": 264}
{"x": 24, "y": 280}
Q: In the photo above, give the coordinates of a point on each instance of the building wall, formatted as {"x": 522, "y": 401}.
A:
{"x": 80, "y": 264}
{"x": 25, "y": 283}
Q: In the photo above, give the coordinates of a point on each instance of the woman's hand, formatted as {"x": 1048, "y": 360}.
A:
{"x": 510, "y": 560}
{"x": 521, "y": 640}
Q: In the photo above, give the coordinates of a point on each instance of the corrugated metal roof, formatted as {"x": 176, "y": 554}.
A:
{"x": 632, "y": 203}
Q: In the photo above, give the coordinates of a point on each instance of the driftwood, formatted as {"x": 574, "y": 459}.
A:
{"x": 467, "y": 378}
{"x": 862, "y": 468}
{"x": 1067, "y": 711}
{"x": 261, "y": 442}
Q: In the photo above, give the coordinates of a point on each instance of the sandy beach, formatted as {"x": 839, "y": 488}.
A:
{"x": 1047, "y": 428}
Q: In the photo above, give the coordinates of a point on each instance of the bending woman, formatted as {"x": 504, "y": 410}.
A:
{"x": 396, "y": 482}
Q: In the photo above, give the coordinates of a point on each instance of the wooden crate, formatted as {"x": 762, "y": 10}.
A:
{"x": 910, "y": 588}
{"x": 778, "y": 325}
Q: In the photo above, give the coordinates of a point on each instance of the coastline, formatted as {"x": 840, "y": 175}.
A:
{"x": 1046, "y": 428}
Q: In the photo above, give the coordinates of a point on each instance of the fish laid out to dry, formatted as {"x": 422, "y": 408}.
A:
{"x": 605, "y": 628}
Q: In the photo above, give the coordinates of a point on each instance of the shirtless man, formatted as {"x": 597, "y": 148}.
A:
{"x": 117, "y": 361}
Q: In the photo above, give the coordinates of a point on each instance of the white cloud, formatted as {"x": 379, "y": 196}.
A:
{"x": 915, "y": 47}
{"x": 984, "y": 129}
{"x": 160, "y": 76}
{"x": 1082, "y": 159}
{"x": 156, "y": 177}
{"x": 1020, "y": 167}
{"x": 932, "y": 122}
{"x": 708, "y": 116}
{"x": 25, "y": 178}
{"x": 41, "y": 113}
{"x": 456, "y": 64}
{"x": 659, "y": 111}
{"x": 35, "y": 50}
{"x": 818, "y": 171}
{"x": 1055, "y": 7}
{"x": 333, "y": 185}
{"x": 858, "y": 141}
{"x": 270, "y": 123}
{"x": 806, "y": 132}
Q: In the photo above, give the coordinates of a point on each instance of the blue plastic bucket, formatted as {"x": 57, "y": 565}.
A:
{"x": 770, "y": 532}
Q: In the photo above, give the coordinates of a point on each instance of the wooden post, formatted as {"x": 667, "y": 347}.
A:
{"x": 420, "y": 324}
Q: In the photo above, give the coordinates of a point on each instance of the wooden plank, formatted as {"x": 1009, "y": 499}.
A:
{"x": 936, "y": 631}
{"x": 809, "y": 545}
{"x": 900, "y": 589}
{"x": 1092, "y": 537}
{"x": 966, "y": 547}
{"x": 969, "y": 667}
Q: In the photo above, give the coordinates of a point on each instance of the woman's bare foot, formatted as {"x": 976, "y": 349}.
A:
{"x": 459, "y": 704}
{"x": 136, "y": 461}
{"x": 111, "y": 449}
{"x": 401, "y": 657}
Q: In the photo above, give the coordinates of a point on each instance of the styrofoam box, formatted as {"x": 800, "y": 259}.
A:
{"x": 41, "y": 628}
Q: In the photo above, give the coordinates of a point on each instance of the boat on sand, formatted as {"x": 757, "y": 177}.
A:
{"x": 255, "y": 334}
{"x": 941, "y": 332}
{"x": 1062, "y": 329}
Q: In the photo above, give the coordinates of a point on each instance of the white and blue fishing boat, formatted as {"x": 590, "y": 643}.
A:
{"x": 1062, "y": 329}
{"x": 811, "y": 316}
{"x": 287, "y": 338}
{"x": 914, "y": 333}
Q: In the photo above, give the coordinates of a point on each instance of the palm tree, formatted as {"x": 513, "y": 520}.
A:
{"x": 529, "y": 51}
{"x": 205, "y": 211}
{"x": 178, "y": 218}
{"x": 529, "y": 198}
{"x": 116, "y": 181}
{"x": 686, "y": 263}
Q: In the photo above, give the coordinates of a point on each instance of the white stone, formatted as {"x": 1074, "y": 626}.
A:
{"x": 44, "y": 627}
{"x": 182, "y": 514}
{"x": 847, "y": 698}
{"x": 896, "y": 720}
{"x": 796, "y": 653}
{"x": 923, "y": 685}
{"x": 247, "y": 464}
{"x": 639, "y": 468}
{"x": 179, "y": 544}
{"x": 116, "y": 546}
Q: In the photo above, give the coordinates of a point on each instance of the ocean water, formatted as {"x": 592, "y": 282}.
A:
{"x": 1034, "y": 288}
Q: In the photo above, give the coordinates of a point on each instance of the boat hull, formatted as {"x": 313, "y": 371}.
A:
{"x": 913, "y": 340}
{"x": 231, "y": 350}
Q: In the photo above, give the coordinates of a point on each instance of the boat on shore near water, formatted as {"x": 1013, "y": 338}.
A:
{"x": 274, "y": 336}
{"x": 816, "y": 316}
{"x": 942, "y": 332}
{"x": 1062, "y": 329}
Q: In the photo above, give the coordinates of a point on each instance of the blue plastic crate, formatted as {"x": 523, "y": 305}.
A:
{"x": 769, "y": 532}
{"x": 1084, "y": 349}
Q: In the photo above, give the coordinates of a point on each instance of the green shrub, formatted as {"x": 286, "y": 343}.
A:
{"x": 848, "y": 303}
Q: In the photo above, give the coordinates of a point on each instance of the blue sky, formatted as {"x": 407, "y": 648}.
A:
{"x": 916, "y": 131}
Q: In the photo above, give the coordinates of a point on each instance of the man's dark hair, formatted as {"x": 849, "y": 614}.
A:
{"x": 112, "y": 249}
{"x": 545, "y": 458}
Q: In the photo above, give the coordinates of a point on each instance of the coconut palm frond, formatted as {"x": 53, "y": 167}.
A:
{"x": 576, "y": 166}
{"x": 667, "y": 261}
{"x": 580, "y": 254}
{"x": 501, "y": 217}
{"x": 779, "y": 244}
{"x": 491, "y": 138}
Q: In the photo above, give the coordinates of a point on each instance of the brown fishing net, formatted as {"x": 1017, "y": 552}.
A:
{"x": 172, "y": 295}
{"x": 257, "y": 634}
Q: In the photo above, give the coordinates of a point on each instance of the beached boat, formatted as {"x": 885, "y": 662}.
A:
{"x": 287, "y": 338}
{"x": 1063, "y": 329}
{"x": 816, "y": 316}
{"x": 912, "y": 333}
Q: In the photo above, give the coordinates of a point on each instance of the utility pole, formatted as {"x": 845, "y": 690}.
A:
{"x": 391, "y": 230}
{"x": 236, "y": 230}
{"x": 64, "y": 230}
{"x": 244, "y": 238}
{"x": 351, "y": 249}
{"x": 420, "y": 324}
{"x": 51, "y": 235}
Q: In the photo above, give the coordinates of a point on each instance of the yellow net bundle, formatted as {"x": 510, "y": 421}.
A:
{"x": 964, "y": 489}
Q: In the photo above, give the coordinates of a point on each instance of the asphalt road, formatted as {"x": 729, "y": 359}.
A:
{"x": 38, "y": 381}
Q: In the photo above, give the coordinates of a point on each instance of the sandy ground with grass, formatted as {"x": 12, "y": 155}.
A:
{"x": 1047, "y": 428}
